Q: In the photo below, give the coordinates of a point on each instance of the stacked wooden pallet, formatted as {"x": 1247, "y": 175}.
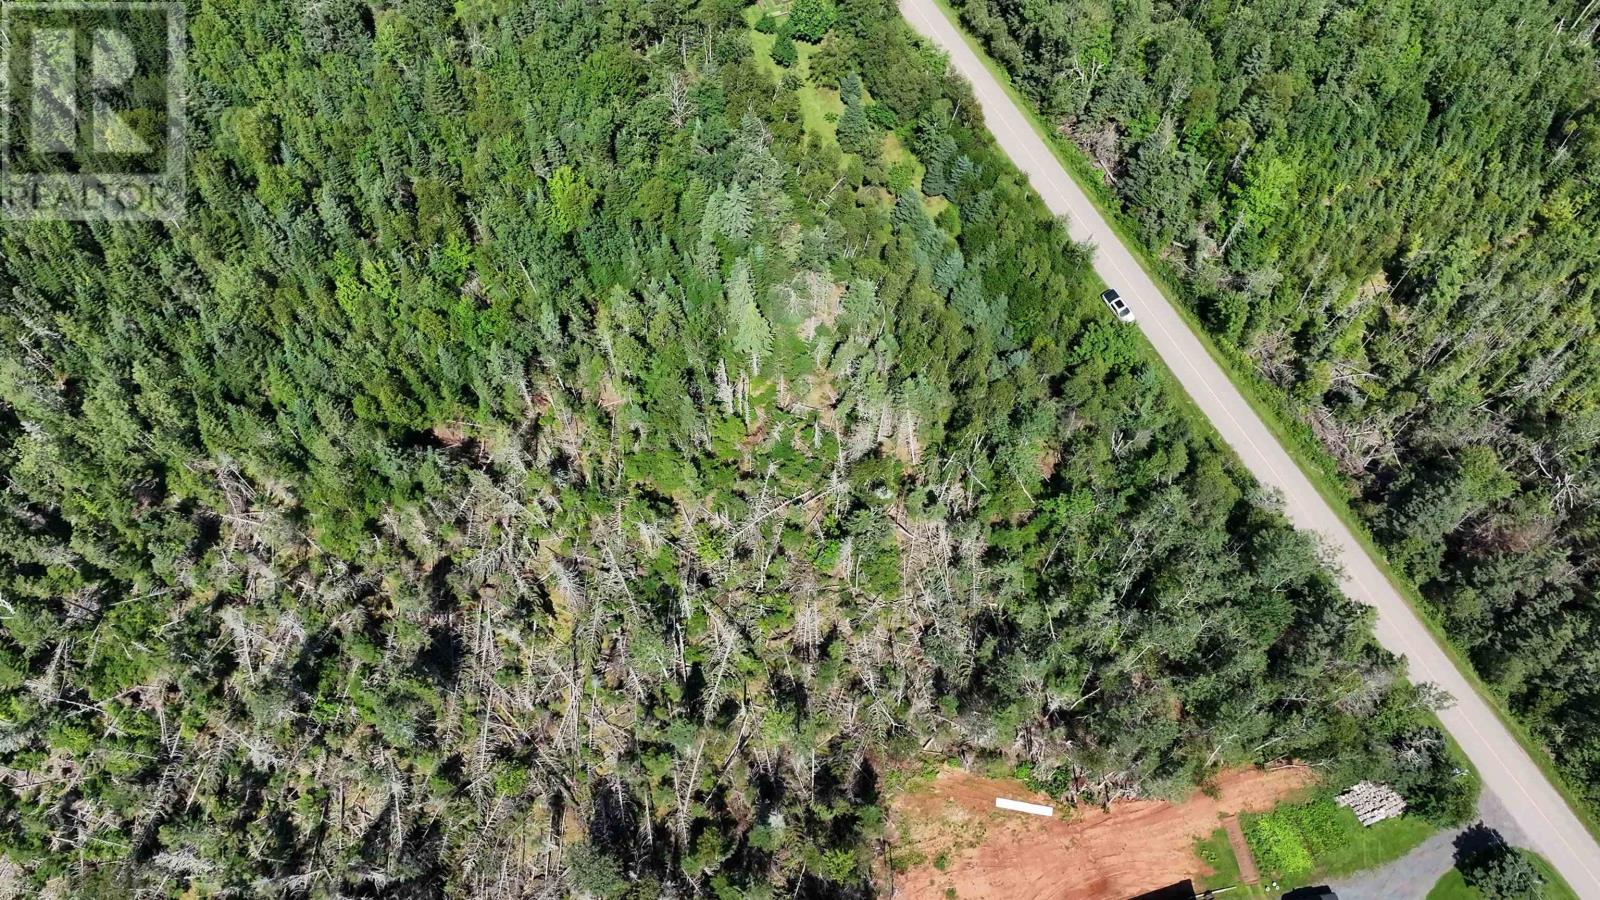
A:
{"x": 1372, "y": 802}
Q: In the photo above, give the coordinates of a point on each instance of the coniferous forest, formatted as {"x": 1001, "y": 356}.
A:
{"x": 556, "y": 455}
{"x": 1389, "y": 210}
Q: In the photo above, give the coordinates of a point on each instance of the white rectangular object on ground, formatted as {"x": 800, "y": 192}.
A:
{"x": 1018, "y": 806}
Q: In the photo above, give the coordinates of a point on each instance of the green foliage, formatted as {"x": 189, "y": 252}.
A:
{"x": 570, "y": 199}
{"x": 1390, "y": 209}
{"x": 1453, "y": 886}
{"x": 856, "y": 133}
{"x": 532, "y": 440}
{"x": 1105, "y": 346}
{"x": 1216, "y": 852}
{"x": 1420, "y": 766}
{"x": 1278, "y": 846}
{"x": 595, "y": 873}
{"x": 1290, "y": 839}
{"x": 1501, "y": 872}
{"x": 809, "y": 20}
{"x": 1297, "y": 839}
{"x": 1443, "y": 796}
{"x": 783, "y": 50}
{"x": 750, "y": 337}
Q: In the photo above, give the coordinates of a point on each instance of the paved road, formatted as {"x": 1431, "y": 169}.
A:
{"x": 1538, "y": 810}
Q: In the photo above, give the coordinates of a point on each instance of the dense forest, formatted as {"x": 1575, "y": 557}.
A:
{"x": 1389, "y": 209}
{"x": 589, "y": 448}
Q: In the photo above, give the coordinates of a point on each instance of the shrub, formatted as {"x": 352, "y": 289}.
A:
{"x": 1276, "y": 844}
{"x": 595, "y": 872}
{"x": 783, "y": 51}
{"x": 1423, "y": 770}
{"x": 1317, "y": 823}
{"x": 1291, "y": 838}
{"x": 1451, "y": 801}
{"x": 809, "y": 20}
{"x": 902, "y": 177}
{"x": 881, "y": 116}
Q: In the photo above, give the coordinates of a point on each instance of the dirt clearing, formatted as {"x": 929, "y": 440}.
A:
{"x": 951, "y": 836}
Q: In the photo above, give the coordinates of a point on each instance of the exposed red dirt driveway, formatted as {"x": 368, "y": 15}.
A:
{"x": 953, "y": 837}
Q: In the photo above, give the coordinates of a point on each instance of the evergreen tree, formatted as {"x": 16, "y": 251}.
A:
{"x": 749, "y": 335}
{"x": 1393, "y": 227}
{"x": 783, "y": 50}
{"x": 1501, "y": 872}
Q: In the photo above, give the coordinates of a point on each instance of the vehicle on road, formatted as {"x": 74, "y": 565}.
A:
{"x": 1119, "y": 306}
{"x": 1510, "y": 774}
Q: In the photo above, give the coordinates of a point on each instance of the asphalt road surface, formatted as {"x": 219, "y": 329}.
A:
{"x": 1547, "y": 824}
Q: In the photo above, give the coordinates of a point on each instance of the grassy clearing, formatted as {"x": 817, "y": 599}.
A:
{"x": 1367, "y": 848}
{"x": 1305, "y": 843}
{"x": 1453, "y": 887}
{"x": 1343, "y": 848}
{"x": 1217, "y": 853}
{"x": 1274, "y": 410}
{"x": 819, "y": 107}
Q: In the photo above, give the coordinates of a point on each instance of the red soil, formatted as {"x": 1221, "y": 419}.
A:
{"x": 955, "y": 838}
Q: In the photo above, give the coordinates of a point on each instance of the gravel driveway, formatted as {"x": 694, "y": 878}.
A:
{"x": 1414, "y": 875}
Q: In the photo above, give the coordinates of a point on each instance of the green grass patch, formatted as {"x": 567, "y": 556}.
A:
{"x": 1453, "y": 887}
{"x": 1306, "y": 843}
{"x": 895, "y": 153}
{"x": 1303, "y": 843}
{"x": 1273, "y": 408}
{"x": 819, "y": 107}
{"x": 1366, "y": 848}
{"x": 1217, "y": 853}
